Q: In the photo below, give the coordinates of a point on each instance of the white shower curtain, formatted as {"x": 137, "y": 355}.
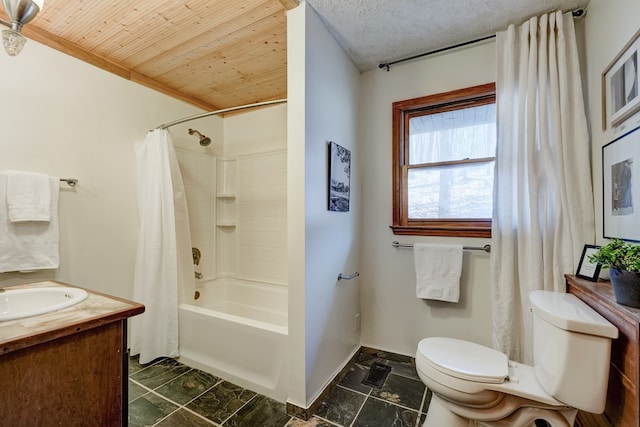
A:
{"x": 543, "y": 207}
{"x": 163, "y": 268}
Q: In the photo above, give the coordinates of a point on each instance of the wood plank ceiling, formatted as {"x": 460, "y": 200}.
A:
{"x": 210, "y": 53}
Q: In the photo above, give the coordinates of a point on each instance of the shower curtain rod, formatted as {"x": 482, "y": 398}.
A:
{"x": 576, "y": 14}
{"x": 224, "y": 110}
{"x": 388, "y": 65}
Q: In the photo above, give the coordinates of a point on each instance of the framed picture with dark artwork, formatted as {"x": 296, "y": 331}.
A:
{"x": 620, "y": 80}
{"x": 339, "y": 178}
{"x": 621, "y": 187}
{"x": 587, "y": 269}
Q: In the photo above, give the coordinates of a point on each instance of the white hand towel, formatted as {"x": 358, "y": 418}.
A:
{"x": 438, "y": 270}
{"x": 31, "y": 245}
{"x": 28, "y": 196}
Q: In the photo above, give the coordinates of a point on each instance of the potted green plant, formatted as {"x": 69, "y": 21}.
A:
{"x": 623, "y": 261}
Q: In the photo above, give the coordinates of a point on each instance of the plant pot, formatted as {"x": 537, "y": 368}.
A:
{"x": 626, "y": 287}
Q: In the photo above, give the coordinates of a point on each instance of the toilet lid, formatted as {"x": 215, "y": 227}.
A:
{"x": 465, "y": 360}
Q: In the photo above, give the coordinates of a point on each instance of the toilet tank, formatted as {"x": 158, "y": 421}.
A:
{"x": 571, "y": 349}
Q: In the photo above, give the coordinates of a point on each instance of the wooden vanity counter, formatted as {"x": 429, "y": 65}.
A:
{"x": 67, "y": 367}
{"x": 623, "y": 403}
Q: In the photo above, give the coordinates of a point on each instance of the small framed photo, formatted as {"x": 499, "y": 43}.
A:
{"x": 339, "y": 178}
{"x": 620, "y": 91}
{"x": 621, "y": 187}
{"x": 588, "y": 270}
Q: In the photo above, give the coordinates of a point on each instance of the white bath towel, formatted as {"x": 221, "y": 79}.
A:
{"x": 31, "y": 245}
{"x": 438, "y": 270}
{"x": 28, "y": 196}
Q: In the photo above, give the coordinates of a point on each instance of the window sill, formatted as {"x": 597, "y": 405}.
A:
{"x": 446, "y": 230}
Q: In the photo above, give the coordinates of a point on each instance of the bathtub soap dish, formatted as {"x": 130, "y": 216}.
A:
{"x": 377, "y": 375}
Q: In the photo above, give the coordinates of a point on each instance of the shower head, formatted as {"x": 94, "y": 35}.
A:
{"x": 205, "y": 141}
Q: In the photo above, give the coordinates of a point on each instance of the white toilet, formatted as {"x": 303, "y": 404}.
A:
{"x": 474, "y": 385}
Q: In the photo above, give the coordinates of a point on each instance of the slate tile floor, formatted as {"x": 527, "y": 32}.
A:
{"x": 166, "y": 393}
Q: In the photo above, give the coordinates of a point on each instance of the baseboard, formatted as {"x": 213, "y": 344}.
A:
{"x": 306, "y": 413}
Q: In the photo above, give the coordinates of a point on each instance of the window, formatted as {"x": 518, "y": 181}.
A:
{"x": 443, "y": 160}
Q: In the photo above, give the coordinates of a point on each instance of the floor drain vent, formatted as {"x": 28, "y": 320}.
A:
{"x": 377, "y": 374}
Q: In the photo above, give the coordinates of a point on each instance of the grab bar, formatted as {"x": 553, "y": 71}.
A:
{"x": 349, "y": 277}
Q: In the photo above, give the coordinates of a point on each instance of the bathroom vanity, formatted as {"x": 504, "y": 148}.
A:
{"x": 623, "y": 404}
{"x": 67, "y": 367}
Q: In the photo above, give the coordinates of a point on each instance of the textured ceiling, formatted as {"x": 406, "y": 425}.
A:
{"x": 376, "y": 31}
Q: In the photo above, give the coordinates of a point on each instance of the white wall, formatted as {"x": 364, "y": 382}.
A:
{"x": 296, "y": 152}
{"x": 608, "y": 27}
{"x": 66, "y": 118}
{"x": 323, "y": 93}
{"x": 393, "y": 318}
{"x": 255, "y": 131}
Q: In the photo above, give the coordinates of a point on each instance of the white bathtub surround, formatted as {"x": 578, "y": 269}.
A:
{"x": 261, "y": 211}
{"x": 198, "y": 174}
{"x": 163, "y": 259}
{"x": 237, "y": 330}
{"x": 543, "y": 209}
{"x": 238, "y": 214}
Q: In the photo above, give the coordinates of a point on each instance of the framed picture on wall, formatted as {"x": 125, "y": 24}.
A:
{"x": 621, "y": 187}
{"x": 587, "y": 269}
{"x": 339, "y": 178}
{"x": 620, "y": 80}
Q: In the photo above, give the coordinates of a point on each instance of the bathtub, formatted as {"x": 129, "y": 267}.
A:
{"x": 237, "y": 330}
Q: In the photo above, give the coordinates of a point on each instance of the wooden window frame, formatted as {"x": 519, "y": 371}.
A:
{"x": 402, "y": 111}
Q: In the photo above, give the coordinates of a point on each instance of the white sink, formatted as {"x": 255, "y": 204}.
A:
{"x": 19, "y": 303}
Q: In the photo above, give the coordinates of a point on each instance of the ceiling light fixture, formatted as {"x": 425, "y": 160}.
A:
{"x": 20, "y": 12}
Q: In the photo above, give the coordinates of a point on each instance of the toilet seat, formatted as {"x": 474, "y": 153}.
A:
{"x": 452, "y": 363}
{"x": 465, "y": 360}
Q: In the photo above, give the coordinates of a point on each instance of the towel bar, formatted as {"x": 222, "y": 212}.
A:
{"x": 71, "y": 182}
{"x": 486, "y": 248}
